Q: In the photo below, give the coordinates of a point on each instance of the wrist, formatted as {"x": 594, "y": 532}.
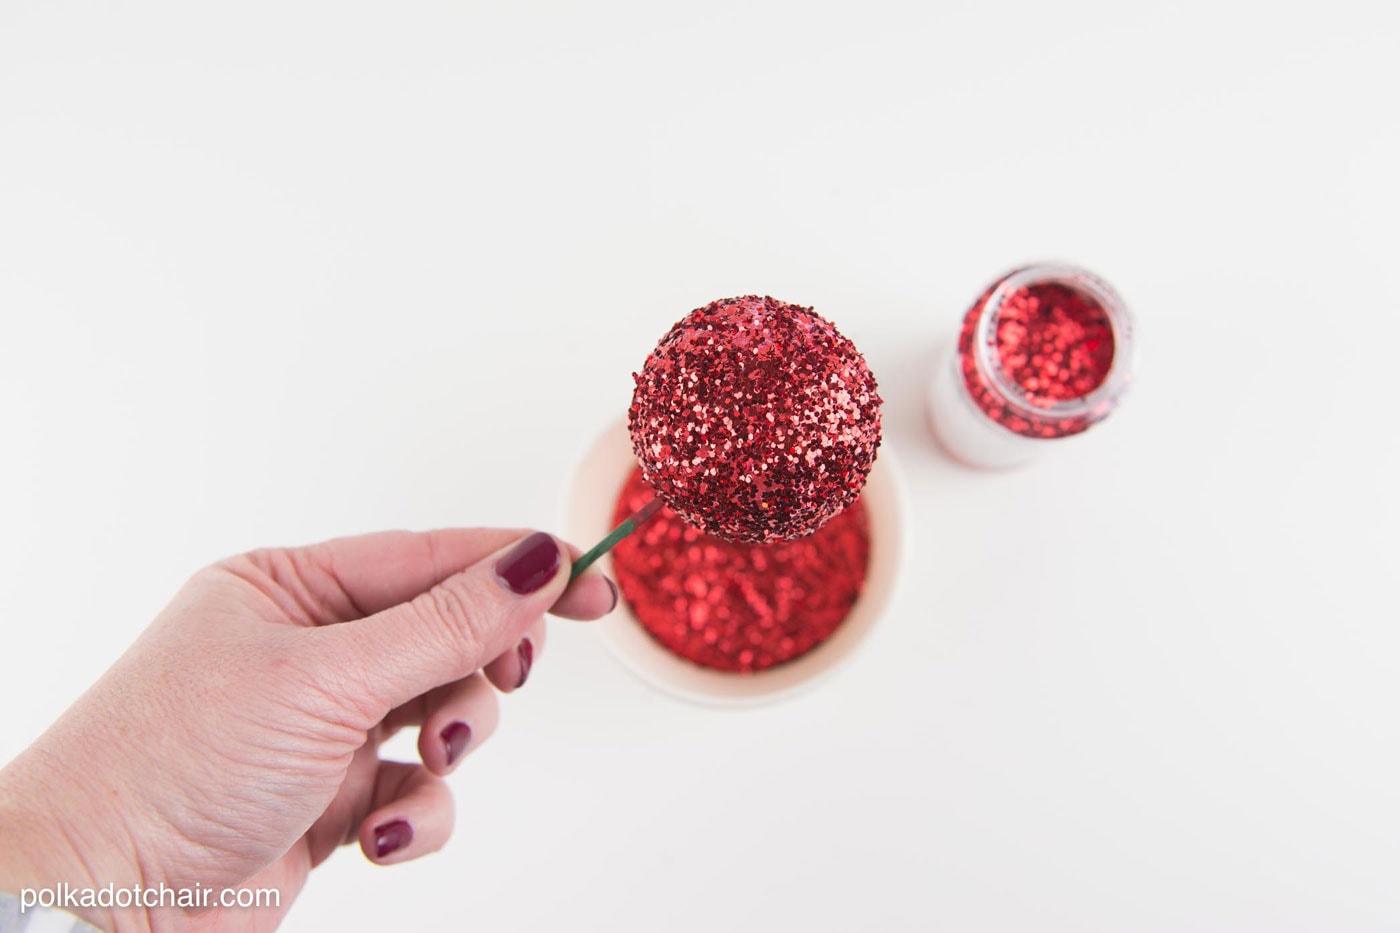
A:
{"x": 49, "y": 847}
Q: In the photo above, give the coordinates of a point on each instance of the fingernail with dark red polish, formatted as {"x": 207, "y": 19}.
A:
{"x": 456, "y": 737}
{"x": 391, "y": 837}
{"x": 529, "y": 565}
{"x": 612, "y": 586}
{"x": 526, "y": 653}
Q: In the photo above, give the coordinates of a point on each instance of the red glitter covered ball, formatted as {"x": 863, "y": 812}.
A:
{"x": 755, "y": 420}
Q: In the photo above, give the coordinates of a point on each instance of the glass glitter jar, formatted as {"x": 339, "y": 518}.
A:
{"x": 986, "y": 416}
{"x": 598, "y": 480}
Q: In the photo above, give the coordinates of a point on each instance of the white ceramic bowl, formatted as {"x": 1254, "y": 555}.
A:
{"x": 598, "y": 481}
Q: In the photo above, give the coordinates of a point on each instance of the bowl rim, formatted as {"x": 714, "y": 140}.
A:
{"x": 597, "y": 478}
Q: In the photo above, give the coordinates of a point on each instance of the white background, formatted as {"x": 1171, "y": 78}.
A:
{"x": 279, "y": 271}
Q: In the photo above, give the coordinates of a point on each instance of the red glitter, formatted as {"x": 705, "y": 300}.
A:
{"x": 738, "y": 607}
{"x": 1054, "y": 343}
{"x": 756, "y": 420}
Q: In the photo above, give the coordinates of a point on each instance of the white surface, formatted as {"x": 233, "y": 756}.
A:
{"x": 282, "y": 271}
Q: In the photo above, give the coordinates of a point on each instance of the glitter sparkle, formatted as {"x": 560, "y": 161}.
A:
{"x": 1054, "y": 342}
{"x": 738, "y": 607}
{"x": 755, "y": 420}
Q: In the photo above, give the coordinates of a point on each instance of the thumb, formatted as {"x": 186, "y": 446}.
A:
{"x": 448, "y": 632}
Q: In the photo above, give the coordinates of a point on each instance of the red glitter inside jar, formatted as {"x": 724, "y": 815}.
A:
{"x": 734, "y": 606}
{"x": 1046, "y": 348}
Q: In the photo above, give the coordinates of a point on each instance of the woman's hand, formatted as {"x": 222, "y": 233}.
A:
{"x": 236, "y": 744}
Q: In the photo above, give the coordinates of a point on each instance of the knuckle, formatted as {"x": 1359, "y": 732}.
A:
{"x": 460, "y": 611}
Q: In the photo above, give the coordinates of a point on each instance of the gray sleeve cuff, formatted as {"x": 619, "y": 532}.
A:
{"x": 38, "y": 919}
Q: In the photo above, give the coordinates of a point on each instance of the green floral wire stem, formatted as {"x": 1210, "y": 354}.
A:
{"x": 629, "y": 524}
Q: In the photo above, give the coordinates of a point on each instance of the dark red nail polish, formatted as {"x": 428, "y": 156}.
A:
{"x": 526, "y": 653}
{"x": 529, "y": 565}
{"x": 391, "y": 837}
{"x": 612, "y": 586}
{"x": 456, "y": 737}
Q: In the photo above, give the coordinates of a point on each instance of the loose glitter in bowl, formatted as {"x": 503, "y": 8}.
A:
{"x": 734, "y": 606}
{"x": 755, "y": 420}
{"x": 1052, "y": 344}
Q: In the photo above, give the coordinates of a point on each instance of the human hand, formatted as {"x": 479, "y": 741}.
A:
{"x": 236, "y": 743}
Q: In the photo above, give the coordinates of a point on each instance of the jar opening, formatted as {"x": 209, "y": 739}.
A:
{"x": 1056, "y": 343}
